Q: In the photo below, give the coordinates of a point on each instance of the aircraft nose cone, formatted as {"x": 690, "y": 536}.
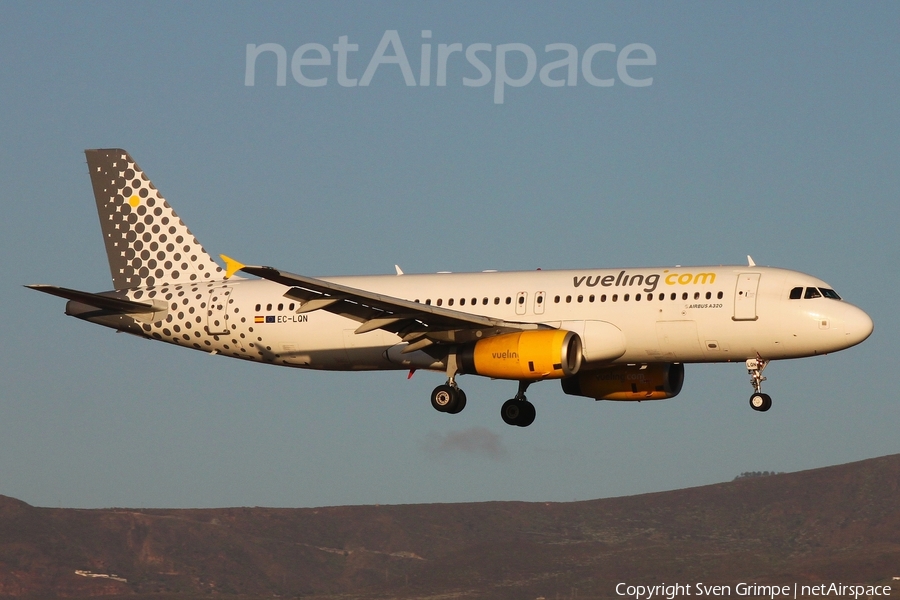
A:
{"x": 859, "y": 326}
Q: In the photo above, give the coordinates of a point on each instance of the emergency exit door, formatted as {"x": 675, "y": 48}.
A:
{"x": 217, "y": 311}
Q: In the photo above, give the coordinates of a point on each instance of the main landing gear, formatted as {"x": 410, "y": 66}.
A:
{"x": 758, "y": 400}
{"x": 518, "y": 411}
{"x": 448, "y": 398}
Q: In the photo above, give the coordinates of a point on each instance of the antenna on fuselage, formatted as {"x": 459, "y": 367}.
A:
{"x": 750, "y": 262}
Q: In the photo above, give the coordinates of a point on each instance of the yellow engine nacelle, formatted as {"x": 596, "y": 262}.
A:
{"x": 528, "y": 355}
{"x": 656, "y": 381}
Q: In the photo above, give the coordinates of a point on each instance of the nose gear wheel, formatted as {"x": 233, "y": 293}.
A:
{"x": 761, "y": 402}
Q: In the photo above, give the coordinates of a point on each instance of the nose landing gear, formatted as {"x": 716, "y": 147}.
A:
{"x": 758, "y": 400}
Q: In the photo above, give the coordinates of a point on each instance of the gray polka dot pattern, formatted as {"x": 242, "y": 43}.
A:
{"x": 146, "y": 243}
{"x": 202, "y": 316}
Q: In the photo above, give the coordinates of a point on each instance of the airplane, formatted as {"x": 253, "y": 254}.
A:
{"x": 607, "y": 334}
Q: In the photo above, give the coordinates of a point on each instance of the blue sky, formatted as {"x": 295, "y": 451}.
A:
{"x": 768, "y": 130}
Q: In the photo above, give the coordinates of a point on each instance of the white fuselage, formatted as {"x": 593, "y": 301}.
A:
{"x": 641, "y": 315}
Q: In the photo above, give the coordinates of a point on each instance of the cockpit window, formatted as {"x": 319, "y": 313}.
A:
{"x": 811, "y": 292}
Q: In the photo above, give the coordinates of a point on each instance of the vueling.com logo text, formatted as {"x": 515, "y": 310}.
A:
{"x": 601, "y": 64}
{"x": 649, "y": 281}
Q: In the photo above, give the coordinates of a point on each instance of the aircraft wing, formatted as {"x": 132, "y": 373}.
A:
{"x": 419, "y": 324}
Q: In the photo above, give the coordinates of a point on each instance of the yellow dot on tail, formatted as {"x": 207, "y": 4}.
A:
{"x": 134, "y": 201}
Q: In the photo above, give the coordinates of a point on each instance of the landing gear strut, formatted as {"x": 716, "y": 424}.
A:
{"x": 518, "y": 411}
{"x": 449, "y": 398}
{"x": 758, "y": 400}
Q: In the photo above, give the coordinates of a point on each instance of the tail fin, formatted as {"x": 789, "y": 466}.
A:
{"x": 146, "y": 243}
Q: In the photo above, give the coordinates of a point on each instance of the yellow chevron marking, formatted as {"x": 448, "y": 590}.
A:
{"x": 231, "y": 266}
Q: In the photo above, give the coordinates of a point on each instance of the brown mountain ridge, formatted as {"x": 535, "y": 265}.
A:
{"x": 835, "y": 524}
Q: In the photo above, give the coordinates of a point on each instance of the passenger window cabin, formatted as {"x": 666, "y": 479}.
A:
{"x": 795, "y": 293}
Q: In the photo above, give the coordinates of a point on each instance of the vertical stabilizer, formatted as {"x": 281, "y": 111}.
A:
{"x": 146, "y": 243}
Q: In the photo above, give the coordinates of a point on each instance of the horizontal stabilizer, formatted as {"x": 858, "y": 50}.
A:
{"x": 105, "y": 302}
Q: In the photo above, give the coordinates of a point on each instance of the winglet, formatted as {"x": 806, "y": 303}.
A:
{"x": 399, "y": 270}
{"x": 231, "y": 266}
{"x": 750, "y": 262}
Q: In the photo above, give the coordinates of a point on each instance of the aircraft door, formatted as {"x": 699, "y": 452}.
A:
{"x": 539, "y": 298}
{"x": 745, "y": 297}
{"x": 521, "y": 303}
{"x": 217, "y": 311}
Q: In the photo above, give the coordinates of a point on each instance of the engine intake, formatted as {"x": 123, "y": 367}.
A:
{"x": 656, "y": 381}
{"x": 527, "y": 355}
